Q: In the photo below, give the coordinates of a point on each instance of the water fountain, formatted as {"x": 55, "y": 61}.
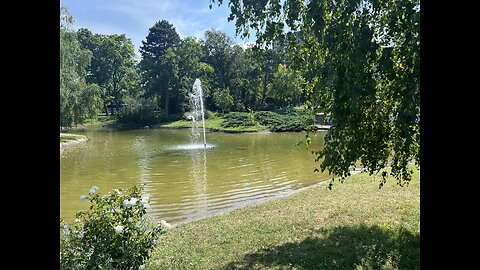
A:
{"x": 197, "y": 118}
{"x": 197, "y": 113}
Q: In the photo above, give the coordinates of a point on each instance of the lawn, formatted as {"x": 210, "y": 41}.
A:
{"x": 355, "y": 225}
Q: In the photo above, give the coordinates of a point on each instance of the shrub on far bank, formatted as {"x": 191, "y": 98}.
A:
{"x": 237, "y": 119}
{"x": 114, "y": 233}
{"x": 282, "y": 121}
{"x": 138, "y": 112}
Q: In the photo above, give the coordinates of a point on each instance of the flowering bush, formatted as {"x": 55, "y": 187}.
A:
{"x": 115, "y": 233}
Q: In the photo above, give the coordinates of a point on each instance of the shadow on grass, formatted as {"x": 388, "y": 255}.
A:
{"x": 359, "y": 247}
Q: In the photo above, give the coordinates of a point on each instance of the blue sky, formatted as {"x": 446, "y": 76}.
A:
{"x": 134, "y": 17}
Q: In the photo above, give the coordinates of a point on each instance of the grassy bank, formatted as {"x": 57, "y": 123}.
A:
{"x": 67, "y": 137}
{"x": 215, "y": 124}
{"x": 353, "y": 226}
{"x": 102, "y": 120}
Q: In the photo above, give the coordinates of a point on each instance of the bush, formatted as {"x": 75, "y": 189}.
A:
{"x": 114, "y": 233}
{"x": 237, "y": 119}
{"x": 138, "y": 112}
{"x": 281, "y": 121}
{"x": 210, "y": 114}
{"x": 267, "y": 118}
{"x": 288, "y": 123}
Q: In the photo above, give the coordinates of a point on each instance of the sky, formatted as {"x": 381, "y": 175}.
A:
{"x": 134, "y": 17}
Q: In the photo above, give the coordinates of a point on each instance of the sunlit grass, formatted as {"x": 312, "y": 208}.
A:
{"x": 353, "y": 226}
{"x": 66, "y": 137}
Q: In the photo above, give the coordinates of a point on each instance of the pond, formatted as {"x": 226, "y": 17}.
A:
{"x": 184, "y": 184}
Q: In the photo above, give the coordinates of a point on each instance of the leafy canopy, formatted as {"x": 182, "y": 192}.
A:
{"x": 361, "y": 62}
{"x": 79, "y": 100}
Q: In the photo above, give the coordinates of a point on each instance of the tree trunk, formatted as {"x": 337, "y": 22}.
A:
{"x": 167, "y": 101}
{"x": 264, "y": 92}
{"x": 113, "y": 108}
{"x": 105, "y": 107}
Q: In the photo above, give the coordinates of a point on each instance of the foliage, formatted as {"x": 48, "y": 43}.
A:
{"x": 288, "y": 120}
{"x": 170, "y": 80}
{"x": 223, "y": 100}
{"x": 155, "y": 79}
{"x": 115, "y": 233}
{"x": 218, "y": 50}
{"x": 286, "y": 87}
{"x": 361, "y": 63}
{"x": 244, "y": 79}
{"x": 237, "y": 119}
{"x": 190, "y": 67}
{"x": 79, "y": 100}
{"x": 112, "y": 66}
{"x": 138, "y": 112}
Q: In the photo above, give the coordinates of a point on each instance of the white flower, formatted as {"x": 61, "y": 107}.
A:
{"x": 77, "y": 220}
{"x": 165, "y": 224}
{"x": 130, "y": 219}
{"x": 118, "y": 228}
{"x": 66, "y": 229}
{"x": 80, "y": 233}
{"x": 127, "y": 203}
{"x": 145, "y": 200}
{"x": 130, "y": 203}
{"x": 92, "y": 190}
{"x": 83, "y": 198}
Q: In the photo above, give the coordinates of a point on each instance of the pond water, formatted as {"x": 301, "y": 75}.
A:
{"x": 186, "y": 184}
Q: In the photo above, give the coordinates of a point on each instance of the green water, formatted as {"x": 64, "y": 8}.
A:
{"x": 185, "y": 184}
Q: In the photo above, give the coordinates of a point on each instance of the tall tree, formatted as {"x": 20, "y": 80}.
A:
{"x": 245, "y": 80}
{"x": 113, "y": 64}
{"x": 218, "y": 50}
{"x": 361, "y": 60}
{"x": 79, "y": 100}
{"x": 161, "y": 37}
{"x": 170, "y": 79}
{"x": 190, "y": 67}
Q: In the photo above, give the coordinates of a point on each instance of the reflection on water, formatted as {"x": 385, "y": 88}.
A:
{"x": 199, "y": 178}
{"x": 185, "y": 184}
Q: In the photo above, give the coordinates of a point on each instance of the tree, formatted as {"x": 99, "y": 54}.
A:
{"x": 286, "y": 87}
{"x": 170, "y": 79}
{"x": 161, "y": 37}
{"x": 268, "y": 61}
{"x": 361, "y": 61}
{"x": 112, "y": 66}
{"x": 190, "y": 67}
{"x": 223, "y": 100}
{"x": 218, "y": 50}
{"x": 79, "y": 100}
{"x": 245, "y": 81}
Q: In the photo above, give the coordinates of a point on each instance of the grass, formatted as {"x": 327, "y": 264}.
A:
{"x": 215, "y": 124}
{"x": 353, "y": 226}
{"x": 66, "y": 137}
{"x": 102, "y": 119}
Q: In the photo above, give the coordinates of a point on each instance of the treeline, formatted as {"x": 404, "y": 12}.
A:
{"x": 101, "y": 73}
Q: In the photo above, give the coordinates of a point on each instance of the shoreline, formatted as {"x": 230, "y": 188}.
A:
{"x": 72, "y": 142}
{"x": 264, "y": 200}
{"x": 260, "y": 201}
